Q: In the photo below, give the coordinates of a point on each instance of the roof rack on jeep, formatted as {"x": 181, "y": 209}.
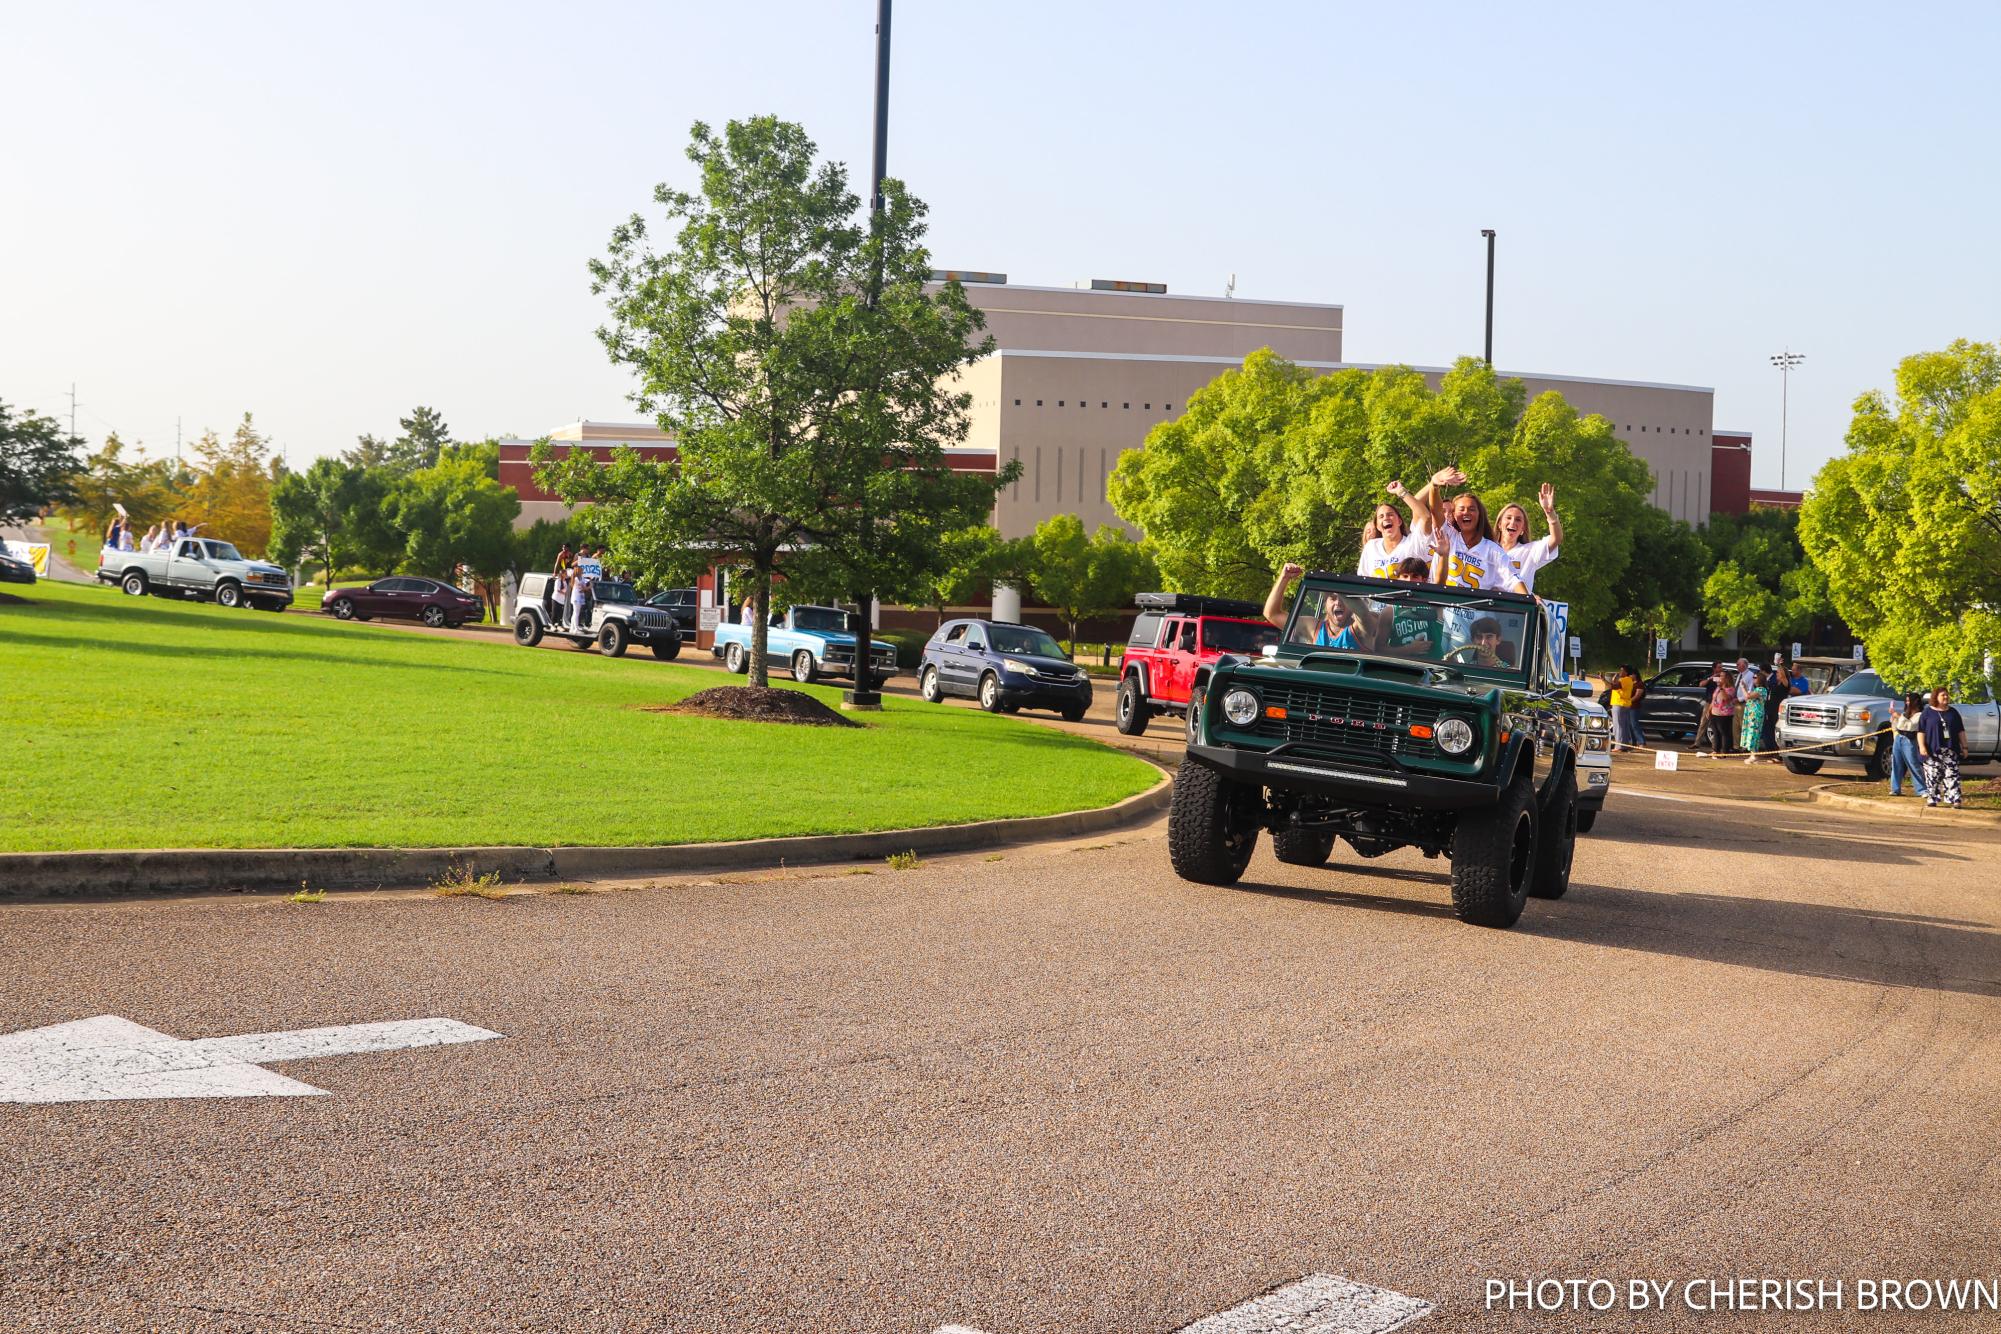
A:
{"x": 1196, "y": 604}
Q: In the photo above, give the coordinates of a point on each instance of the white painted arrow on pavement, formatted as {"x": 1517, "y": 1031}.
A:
{"x": 109, "y": 1058}
{"x": 1316, "y": 1304}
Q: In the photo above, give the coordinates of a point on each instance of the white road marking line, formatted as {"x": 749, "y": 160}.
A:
{"x": 1317, "y": 1304}
{"x": 107, "y": 1058}
{"x": 1655, "y": 796}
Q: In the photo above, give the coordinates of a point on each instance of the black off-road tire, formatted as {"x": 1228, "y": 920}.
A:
{"x": 1493, "y": 858}
{"x": 1801, "y": 764}
{"x": 1556, "y": 840}
{"x": 666, "y": 649}
{"x": 528, "y": 629}
{"x": 1212, "y": 827}
{"x": 737, "y": 659}
{"x": 229, "y": 594}
{"x": 613, "y": 639}
{"x": 1303, "y": 847}
{"x": 134, "y": 584}
{"x": 1129, "y": 712}
{"x": 1585, "y": 819}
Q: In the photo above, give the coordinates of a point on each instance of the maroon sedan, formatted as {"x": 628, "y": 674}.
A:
{"x": 431, "y": 601}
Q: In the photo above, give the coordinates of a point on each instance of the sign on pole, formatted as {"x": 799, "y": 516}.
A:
{"x": 1576, "y": 647}
{"x": 1798, "y": 652}
{"x": 1660, "y": 650}
{"x": 1856, "y": 652}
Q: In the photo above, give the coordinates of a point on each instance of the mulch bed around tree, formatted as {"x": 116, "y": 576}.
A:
{"x": 757, "y": 704}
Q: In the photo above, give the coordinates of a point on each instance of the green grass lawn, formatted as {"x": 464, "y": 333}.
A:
{"x": 137, "y": 723}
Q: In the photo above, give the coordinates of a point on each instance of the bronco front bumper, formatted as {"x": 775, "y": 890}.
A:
{"x": 1356, "y": 783}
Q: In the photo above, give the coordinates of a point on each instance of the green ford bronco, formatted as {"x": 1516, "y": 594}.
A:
{"x": 1390, "y": 715}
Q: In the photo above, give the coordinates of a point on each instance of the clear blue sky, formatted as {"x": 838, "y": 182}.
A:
{"x": 328, "y": 214}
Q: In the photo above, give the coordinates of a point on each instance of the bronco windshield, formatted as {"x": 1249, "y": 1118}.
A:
{"x": 1454, "y": 628}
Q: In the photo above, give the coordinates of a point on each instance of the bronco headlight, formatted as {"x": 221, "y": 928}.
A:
{"x": 1595, "y": 722}
{"x": 1240, "y": 706}
{"x": 1454, "y": 736}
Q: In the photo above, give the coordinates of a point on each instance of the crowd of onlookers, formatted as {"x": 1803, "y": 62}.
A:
{"x": 1740, "y": 714}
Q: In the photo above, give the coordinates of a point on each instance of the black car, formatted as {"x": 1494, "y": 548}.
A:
{"x": 15, "y": 571}
{"x": 683, "y": 604}
{"x": 1672, "y": 704}
{"x": 1004, "y": 666}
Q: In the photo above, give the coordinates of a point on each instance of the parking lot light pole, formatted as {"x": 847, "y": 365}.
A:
{"x": 1785, "y": 361}
{"x": 1488, "y": 232}
{"x": 865, "y": 695}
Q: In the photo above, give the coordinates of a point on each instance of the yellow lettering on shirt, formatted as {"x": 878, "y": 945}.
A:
{"x": 1464, "y": 572}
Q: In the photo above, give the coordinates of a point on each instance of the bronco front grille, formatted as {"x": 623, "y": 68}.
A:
{"x": 1345, "y": 720}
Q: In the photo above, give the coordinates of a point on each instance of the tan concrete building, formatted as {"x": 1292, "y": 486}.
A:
{"x": 1081, "y": 374}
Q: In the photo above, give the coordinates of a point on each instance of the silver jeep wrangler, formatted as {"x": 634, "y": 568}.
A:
{"x": 615, "y": 620}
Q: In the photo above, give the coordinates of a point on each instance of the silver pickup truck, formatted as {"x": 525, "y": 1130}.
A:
{"x": 1861, "y": 705}
{"x": 198, "y": 567}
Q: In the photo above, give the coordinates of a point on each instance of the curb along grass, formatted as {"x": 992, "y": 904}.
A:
{"x": 238, "y": 732}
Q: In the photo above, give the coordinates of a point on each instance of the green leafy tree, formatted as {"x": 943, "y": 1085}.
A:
{"x": 1762, "y": 582}
{"x": 453, "y": 514}
{"x": 332, "y": 514}
{"x": 809, "y": 424}
{"x": 967, "y": 566}
{"x": 424, "y": 437}
{"x": 1661, "y": 587}
{"x": 1271, "y": 463}
{"x": 1906, "y": 526}
{"x": 149, "y": 491}
{"x": 1081, "y": 576}
{"x": 369, "y": 452}
{"x": 38, "y": 464}
{"x": 535, "y": 546}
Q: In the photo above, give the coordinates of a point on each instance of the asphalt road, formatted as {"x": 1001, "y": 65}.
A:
{"x": 1050, "y": 1089}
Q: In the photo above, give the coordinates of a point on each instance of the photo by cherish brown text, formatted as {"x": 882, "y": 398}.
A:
{"x": 1743, "y": 1294}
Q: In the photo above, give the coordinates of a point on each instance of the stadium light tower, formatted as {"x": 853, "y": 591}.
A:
{"x": 1785, "y": 361}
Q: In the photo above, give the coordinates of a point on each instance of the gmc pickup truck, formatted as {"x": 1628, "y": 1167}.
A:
{"x": 814, "y": 641}
{"x": 203, "y": 568}
{"x": 1847, "y": 724}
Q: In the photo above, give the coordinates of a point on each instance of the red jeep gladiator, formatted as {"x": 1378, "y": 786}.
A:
{"x": 1175, "y": 640}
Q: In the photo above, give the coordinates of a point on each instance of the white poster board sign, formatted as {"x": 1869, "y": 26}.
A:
{"x": 1667, "y": 759}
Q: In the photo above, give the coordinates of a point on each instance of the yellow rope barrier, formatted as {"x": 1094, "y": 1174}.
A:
{"x": 1751, "y": 754}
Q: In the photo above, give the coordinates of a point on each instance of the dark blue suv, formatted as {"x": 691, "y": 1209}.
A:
{"x": 1004, "y": 666}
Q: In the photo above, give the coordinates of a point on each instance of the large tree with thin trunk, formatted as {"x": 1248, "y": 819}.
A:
{"x": 804, "y": 369}
{"x": 38, "y": 464}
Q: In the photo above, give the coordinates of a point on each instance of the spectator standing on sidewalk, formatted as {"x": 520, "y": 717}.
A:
{"x": 1722, "y": 710}
{"x": 1702, "y": 723}
{"x": 1942, "y": 741}
{"x": 1904, "y": 747}
{"x": 1778, "y": 685}
{"x": 1625, "y": 694}
{"x": 1752, "y": 724}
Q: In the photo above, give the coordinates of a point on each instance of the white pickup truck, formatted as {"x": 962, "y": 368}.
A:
{"x": 1843, "y": 722}
{"x": 203, "y": 568}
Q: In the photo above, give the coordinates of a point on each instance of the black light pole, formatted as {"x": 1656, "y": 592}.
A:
{"x": 1488, "y": 232}
{"x": 865, "y": 695}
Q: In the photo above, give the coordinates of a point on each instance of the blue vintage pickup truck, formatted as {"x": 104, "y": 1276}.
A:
{"x": 813, "y": 641}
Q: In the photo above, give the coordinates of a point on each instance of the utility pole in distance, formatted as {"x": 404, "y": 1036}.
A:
{"x": 1488, "y": 232}
{"x": 1785, "y": 361}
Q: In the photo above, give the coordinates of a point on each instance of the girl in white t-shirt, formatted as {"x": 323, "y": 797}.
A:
{"x": 1387, "y": 540}
{"x": 1525, "y": 556}
{"x": 1476, "y": 560}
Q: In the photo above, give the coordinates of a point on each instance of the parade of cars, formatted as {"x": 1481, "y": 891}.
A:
{"x": 205, "y": 569}
{"x": 812, "y": 641}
